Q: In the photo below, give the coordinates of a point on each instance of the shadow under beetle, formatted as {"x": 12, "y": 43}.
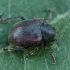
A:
{"x": 31, "y": 32}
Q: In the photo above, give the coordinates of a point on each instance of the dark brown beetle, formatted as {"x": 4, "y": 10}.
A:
{"x": 32, "y": 32}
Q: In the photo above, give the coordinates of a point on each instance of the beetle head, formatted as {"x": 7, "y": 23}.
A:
{"x": 48, "y": 32}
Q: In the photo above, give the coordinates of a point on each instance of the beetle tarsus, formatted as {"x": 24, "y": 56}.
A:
{"x": 11, "y": 18}
{"x": 13, "y": 49}
{"x": 1, "y": 15}
{"x": 8, "y": 49}
{"x": 53, "y": 61}
{"x": 5, "y": 49}
{"x": 32, "y": 52}
{"x": 52, "y": 56}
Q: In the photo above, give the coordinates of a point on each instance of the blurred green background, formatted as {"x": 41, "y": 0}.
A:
{"x": 40, "y": 60}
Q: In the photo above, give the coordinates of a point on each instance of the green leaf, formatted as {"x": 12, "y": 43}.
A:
{"x": 41, "y": 60}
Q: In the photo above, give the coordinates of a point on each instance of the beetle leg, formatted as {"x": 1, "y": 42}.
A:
{"x": 19, "y": 48}
{"x": 7, "y": 19}
{"x": 52, "y": 56}
{"x": 57, "y": 44}
{"x": 13, "y": 49}
{"x": 49, "y": 15}
{"x": 32, "y": 52}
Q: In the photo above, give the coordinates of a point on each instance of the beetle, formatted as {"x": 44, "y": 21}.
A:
{"x": 30, "y": 32}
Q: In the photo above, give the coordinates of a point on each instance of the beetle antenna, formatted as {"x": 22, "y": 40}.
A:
{"x": 64, "y": 22}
